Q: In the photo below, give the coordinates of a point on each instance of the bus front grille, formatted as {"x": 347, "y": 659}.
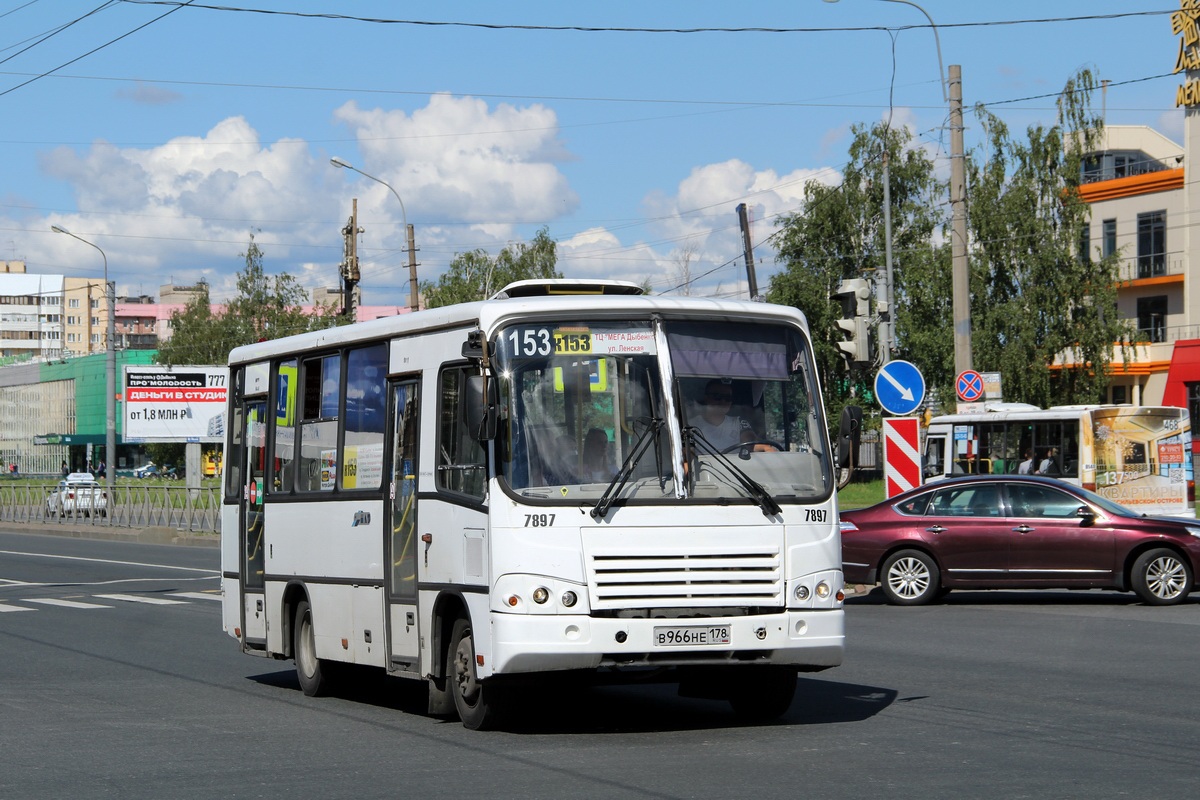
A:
{"x": 683, "y": 580}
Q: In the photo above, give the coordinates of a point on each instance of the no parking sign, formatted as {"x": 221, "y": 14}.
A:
{"x": 969, "y": 386}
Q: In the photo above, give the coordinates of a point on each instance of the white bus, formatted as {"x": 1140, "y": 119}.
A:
{"x": 1138, "y": 456}
{"x": 477, "y": 495}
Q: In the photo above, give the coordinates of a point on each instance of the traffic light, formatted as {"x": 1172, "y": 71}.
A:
{"x": 855, "y": 296}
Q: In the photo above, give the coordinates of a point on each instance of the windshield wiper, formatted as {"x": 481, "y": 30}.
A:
{"x": 631, "y": 461}
{"x": 755, "y": 489}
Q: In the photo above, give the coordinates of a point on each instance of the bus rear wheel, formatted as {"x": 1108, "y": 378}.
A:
{"x": 478, "y": 704}
{"x": 313, "y": 672}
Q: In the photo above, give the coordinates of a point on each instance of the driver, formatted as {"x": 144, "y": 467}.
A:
{"x": 715, "y": 423}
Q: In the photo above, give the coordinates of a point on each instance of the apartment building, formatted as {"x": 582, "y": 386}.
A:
{"x": 49, "y": 316}
{"x": 1144, "y": 207}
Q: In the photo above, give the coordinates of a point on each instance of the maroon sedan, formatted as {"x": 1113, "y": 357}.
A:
{"x": 1015, "y": 532}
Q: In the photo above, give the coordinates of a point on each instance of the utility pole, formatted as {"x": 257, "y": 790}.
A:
{"x": 413, "y": 299}
{"x": 350, "y": 273}
{"x": 748, "y": 249}
{"x": 960, "y": 273}
{"x": 884, "y": 294}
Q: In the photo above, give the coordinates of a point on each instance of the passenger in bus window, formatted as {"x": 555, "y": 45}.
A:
{"x": 1049, "y": 465}
{"x": 722, "y": 429}
{"x": 596, "y": 464}
{"x": 1026, "y": 467}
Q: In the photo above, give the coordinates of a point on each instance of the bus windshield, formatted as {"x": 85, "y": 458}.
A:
{"x": 586, "y": 401}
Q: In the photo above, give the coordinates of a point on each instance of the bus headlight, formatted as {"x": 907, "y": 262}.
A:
{"x": 537, "y": 594}
{"x": 817, "y": 590}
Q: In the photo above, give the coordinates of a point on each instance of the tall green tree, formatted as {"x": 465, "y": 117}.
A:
{"x": 840, "y": 233}
{"x": 1042, "y": 314}
{"x": 475, "y": 275}
{"x": 265, "y": 307}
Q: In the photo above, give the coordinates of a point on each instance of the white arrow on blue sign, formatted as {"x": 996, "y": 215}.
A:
{"x": 899, "y": 387}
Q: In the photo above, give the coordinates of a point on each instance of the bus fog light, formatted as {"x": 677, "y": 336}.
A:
{"x": 801, "y": 592}
{"x": 541, "y": 595}
{"x": 569, "y": 599}
{"x": 823, "y": 590}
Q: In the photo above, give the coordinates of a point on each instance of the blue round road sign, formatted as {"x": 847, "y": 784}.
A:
{"x": 969, "y": 386}
{"x": 899, "y": 387}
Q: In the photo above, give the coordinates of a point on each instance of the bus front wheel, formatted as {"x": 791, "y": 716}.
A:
{"x": 313, "y": 672}
{"x": 478, "y": 704}
{"x": 764, "y": 693}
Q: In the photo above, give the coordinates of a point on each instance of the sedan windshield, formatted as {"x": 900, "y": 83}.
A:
{"x": 691, "y": 411}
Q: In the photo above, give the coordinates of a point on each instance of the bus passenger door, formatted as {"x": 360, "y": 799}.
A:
{"x": 254, "y": 618}
{"x": 400, "y": 529}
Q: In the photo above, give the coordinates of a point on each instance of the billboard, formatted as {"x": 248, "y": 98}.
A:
{"x": 175, "y": 404}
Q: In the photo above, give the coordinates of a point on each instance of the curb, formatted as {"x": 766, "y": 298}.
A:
{"x": 150, "y": 535}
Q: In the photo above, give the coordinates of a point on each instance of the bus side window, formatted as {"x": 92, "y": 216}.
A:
{"x": 460, "y": 458}
{"x": 285, "y": 427}
{"x": 317, "y": 465}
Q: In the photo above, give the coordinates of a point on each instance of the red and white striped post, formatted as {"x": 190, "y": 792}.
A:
{"x": 901, "y": 454}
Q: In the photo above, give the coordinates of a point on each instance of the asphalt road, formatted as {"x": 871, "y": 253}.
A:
{"x": 986, "y": 695}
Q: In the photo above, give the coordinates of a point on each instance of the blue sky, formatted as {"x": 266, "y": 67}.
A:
{"x": 171, "y": 143}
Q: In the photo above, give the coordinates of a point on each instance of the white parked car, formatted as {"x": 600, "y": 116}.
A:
{"x": 79, "y": 494}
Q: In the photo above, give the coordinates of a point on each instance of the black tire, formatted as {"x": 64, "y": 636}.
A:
{"x": 763, "y": 694}
{"x": 479, "y": 705}
{"x": 1161, "y": 577}
{"x": 910, "y": 578}
{"x": 313, "y": 672}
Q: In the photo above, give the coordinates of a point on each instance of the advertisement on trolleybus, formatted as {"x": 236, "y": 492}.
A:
{"x": 1138, "y": 456}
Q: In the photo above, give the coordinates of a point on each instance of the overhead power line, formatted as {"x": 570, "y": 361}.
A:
{"x": 622, "y": 29}
{"x": 97, "y": 48}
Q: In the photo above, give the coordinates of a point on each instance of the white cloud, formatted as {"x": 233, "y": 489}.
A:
{"x": 457, "y": 159}
{"x": 150, "y": 95}
{"x": 186, "y": 208}
{"x": 694, "y": 232}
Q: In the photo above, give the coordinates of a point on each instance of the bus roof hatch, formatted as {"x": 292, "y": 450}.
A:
{"x": 565, "y": 286}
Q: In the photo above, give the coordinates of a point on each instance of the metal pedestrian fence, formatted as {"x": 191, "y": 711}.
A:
{"x": 195, "y": 510}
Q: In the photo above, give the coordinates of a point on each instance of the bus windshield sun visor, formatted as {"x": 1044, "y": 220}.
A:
{"x": 738, "y": 350}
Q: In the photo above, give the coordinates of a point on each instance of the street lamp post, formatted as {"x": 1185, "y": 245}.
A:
{"x": 413, "y": 299}
{"x": 110, "y": 377}
{"x": 959, "y": 270}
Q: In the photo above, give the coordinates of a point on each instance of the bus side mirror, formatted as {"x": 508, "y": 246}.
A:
{"x": 481, "y": 409}
{"x": 848, "y": 433}
{"x": 474, "y": 347}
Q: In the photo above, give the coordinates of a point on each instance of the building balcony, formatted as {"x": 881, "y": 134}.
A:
{"x": 1163, "y": 268}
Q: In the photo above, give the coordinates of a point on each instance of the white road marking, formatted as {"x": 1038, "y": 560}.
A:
{"x": 4, "y": 608}
{"x": 197, "y": 595}
{"x": 110, "y": 561}
{"x": 50, "y": 601}
{"x": 137, "y": 598}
